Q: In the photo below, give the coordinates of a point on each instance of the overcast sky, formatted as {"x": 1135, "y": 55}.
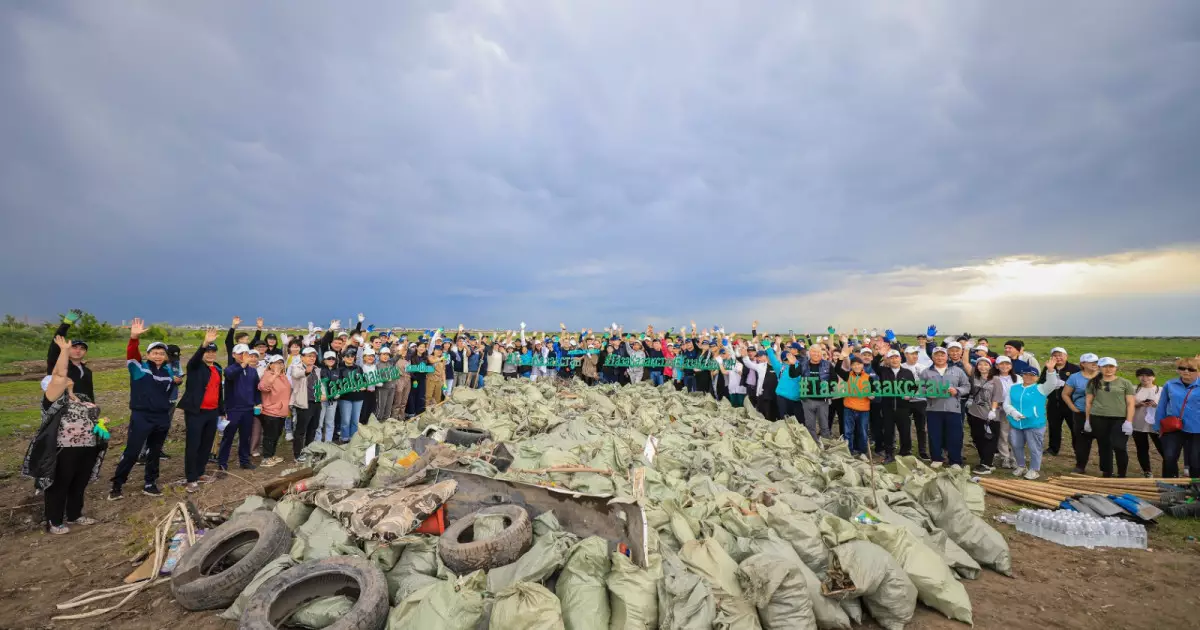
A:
{"x": 486, "y": 162}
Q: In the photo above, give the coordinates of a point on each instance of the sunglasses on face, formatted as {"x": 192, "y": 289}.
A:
{"x": 1184, "y": 368}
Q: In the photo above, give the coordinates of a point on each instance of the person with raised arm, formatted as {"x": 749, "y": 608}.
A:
{"x": 79, "y": 373}
{"x": 150, "y": 383}
{"x": 241, "y": 397}
{"x": 203, "y": 403}
{"x": 1026, "y": 410}
{"x": 66, "y": 452}
{"x": 234, "y": 338}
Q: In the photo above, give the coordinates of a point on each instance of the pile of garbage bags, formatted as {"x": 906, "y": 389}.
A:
{"x": 753, "y": 524}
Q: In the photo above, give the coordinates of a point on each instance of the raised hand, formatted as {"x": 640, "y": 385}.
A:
{"x": 62, "y": 342}
{"x": 237, "y": 321}
{"x": 137, "y": 328}
{"x": 755, "y": 324}
{"x": 210, "y": 335}
{"x": 361, "y": 317}
{"x": 258, "y": 323}
{"x": 335, "y": 324}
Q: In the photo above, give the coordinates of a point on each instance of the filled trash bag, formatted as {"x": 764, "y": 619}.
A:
{"x": 321, "y": 613}
{"x": 949, "y": 511}
{"x": 525, "y": 606}
{"x": 322, "y": 536}
{"x": 880, "y": 581}
{"x": 270, "y": 570}
{"x": 633, "y": 593}
{"x": 294, "y": 513}
{"x": 777, "y": 588}
{"x": 581, "y": 588}
{"x": 445, "y": 604}
{"x": 417, "y": 567}
{"x": 251, "y": 504}
{"x": 707, "y": 559}
{"x": 937, "y": 586}
{"x": 684, "y": 600}
{"x": 547, "y": 555}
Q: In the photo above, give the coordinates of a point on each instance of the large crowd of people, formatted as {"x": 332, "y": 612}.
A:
{"x": 276, "y": 388}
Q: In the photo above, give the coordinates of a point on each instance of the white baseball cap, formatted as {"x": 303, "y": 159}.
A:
{"x": 939, "y": 349}
{"x": 241, "y": 348}
{"x": 1089, "y": 358}
{"x": 156, "y": 344}
{"x": 912, "y": 350}
{"x": 867, "y": 350}
{"x": 274, "y": 358}
{"x": 954, "y": 344}
{"x": 1107, "y": 361}
{"x": 893, "y": 353}
{"x": 330, "y": 354}
{"x": 1058, "y": 349}
{"x": 255, "y": 353}
{"x": 384, "y": 350}
{"x": 309, "y": 350}
{"x": 369, "y": 352}
{"x": 1003, "y": 359}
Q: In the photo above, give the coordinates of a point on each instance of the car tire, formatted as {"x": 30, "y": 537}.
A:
{"x": 214, "y": 571}
{"x": 499, "y": 550}
{"x": 281, "y": 596}
{"x": 467, "y": 436}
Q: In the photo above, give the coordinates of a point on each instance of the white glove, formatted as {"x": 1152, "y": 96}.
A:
{"x": 335, "y": 324}
{"x": 1087, "y": 425}
{"x": 1127, "y": 427}
{"x": 361, "y": 317}
{"x": 522, "y": 325}
{"x": 991, "y": 414}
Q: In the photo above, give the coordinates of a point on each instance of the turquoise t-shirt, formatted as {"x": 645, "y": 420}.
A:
{"x": 1078, "y": 383}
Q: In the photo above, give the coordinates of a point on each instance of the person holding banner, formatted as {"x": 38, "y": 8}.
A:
{"x": 945, "y": 414}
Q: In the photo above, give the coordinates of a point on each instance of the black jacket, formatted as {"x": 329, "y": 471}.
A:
{"x": 81, "y": 374}
{"x": 196, "y": 382}
{"x": 884, "y": 374}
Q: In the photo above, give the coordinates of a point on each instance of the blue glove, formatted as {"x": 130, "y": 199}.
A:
{"x": 371, "y": 328}
{"x": 931, "y": 331}
{"x": 889, "y": 335}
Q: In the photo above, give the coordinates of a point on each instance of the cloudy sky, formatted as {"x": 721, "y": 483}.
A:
{"x": 1015, "y": 167}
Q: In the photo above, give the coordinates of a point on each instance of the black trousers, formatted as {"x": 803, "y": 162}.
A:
{"x": 145, "y": 429}
{"x": 986, "y": 444}
{"x": 1057, "y": 414}
{"x": 201, "y": 432}
{"x": 1111, "y": 443}
{"x": 304, "y": 431}
{"x": 272, "y": 427}
{"x": 368, "y": 407}
{"x": 897, "y": 421}
{"x": 1179, "y": 442}
{"x": 789, "y": 408}
{"x": 876, "y": 424}
{"x": 917, "y": 409}
{"x": 767, "y": 407}
{"x": 1083, "y": 441}
{"x": 1142, "y": 441}
{"x": 836, "y": 409}
{"x": 72, "y": 470}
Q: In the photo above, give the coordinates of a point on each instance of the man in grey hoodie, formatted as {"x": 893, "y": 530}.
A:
{"x": 944, "y": 415}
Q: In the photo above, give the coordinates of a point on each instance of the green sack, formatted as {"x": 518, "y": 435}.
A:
{"x": 633, "y": 596}
{"x": 294, "y": 513}
{"x": 777, "y": 588}
{"x": 417, "y": 568}
{"x": 802, "y": 532}
{"x": 707, "y": 559}
{"x": 321, "y": 613}
{"x": 828, "y": 612}
{"x": 269, "y": 570}
{"x": 684, "y": 600}
{"x": 446, "y": 605}
{"x": 580, "y": 587}
{"x": 252, "y": 504}
{"x": 525, "y": 606}
{"x": 322, "y": 536}
{"x": 949, "y": 511}
{"x": 881, "y": 582}
{"x": 936, "y": 584}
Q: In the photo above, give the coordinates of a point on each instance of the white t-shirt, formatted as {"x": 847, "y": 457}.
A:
{"x": 1142, "y": 415}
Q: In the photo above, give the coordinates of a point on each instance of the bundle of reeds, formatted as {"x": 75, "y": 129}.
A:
{"x": 1036, "y": 493}
{"x": 1140, "y": 487}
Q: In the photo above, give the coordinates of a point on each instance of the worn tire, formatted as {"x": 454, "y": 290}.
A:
{"x": 467, "y": 436}
{"x": 504, "y": 548}
{"x": 193, "y": 583}
{"x": 285, "y": 593}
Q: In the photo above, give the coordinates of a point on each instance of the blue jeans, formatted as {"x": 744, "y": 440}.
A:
{"x": 241, "y": 424}
{"x": 327, "y": 421}
{"x": 657, "y": 378}
{"x": 1034, "y": 438}
{"x": 689, "y": 382}
{"x": 946, "y": 434}
{"x": 854, "y": 424}
{"x": 348, "y": 412}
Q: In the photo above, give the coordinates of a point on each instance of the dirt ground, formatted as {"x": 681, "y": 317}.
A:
{"x": 1051, "y": 587}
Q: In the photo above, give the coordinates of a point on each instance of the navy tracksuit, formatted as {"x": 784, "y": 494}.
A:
{"x": 241, "y": 395}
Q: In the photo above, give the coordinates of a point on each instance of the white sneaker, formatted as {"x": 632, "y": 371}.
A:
{"x": 289, "y": 436}
{"x": 1018, "y": 471}
{"x": 955, "y": 467}
{"x": 1031, "y": 475}
{"x": 936, "y": 465}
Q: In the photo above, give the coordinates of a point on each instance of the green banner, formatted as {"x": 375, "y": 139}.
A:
{"x": 332, "y": 388}
{"x": 814, "y": 387}
{"x": 679, "y": 363}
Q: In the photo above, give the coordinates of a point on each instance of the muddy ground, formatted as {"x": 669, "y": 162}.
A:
{"x": 1051, "y": 587}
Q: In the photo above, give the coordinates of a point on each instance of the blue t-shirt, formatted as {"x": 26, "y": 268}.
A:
{"x": 1078, "y": 383}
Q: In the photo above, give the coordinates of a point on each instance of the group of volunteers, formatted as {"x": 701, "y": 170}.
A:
{"x": 321, "y": 385}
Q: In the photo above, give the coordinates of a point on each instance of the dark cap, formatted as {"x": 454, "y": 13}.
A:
{"x": 173, "y": 350}
{"x": 79, "y": 342}
{"x": 212, "y": 347}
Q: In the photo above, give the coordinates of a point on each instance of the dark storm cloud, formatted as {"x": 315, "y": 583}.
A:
{"x": 578, "y": 162}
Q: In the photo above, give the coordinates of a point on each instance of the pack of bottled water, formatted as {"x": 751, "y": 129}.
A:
{"x": 1076, "y": 529}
